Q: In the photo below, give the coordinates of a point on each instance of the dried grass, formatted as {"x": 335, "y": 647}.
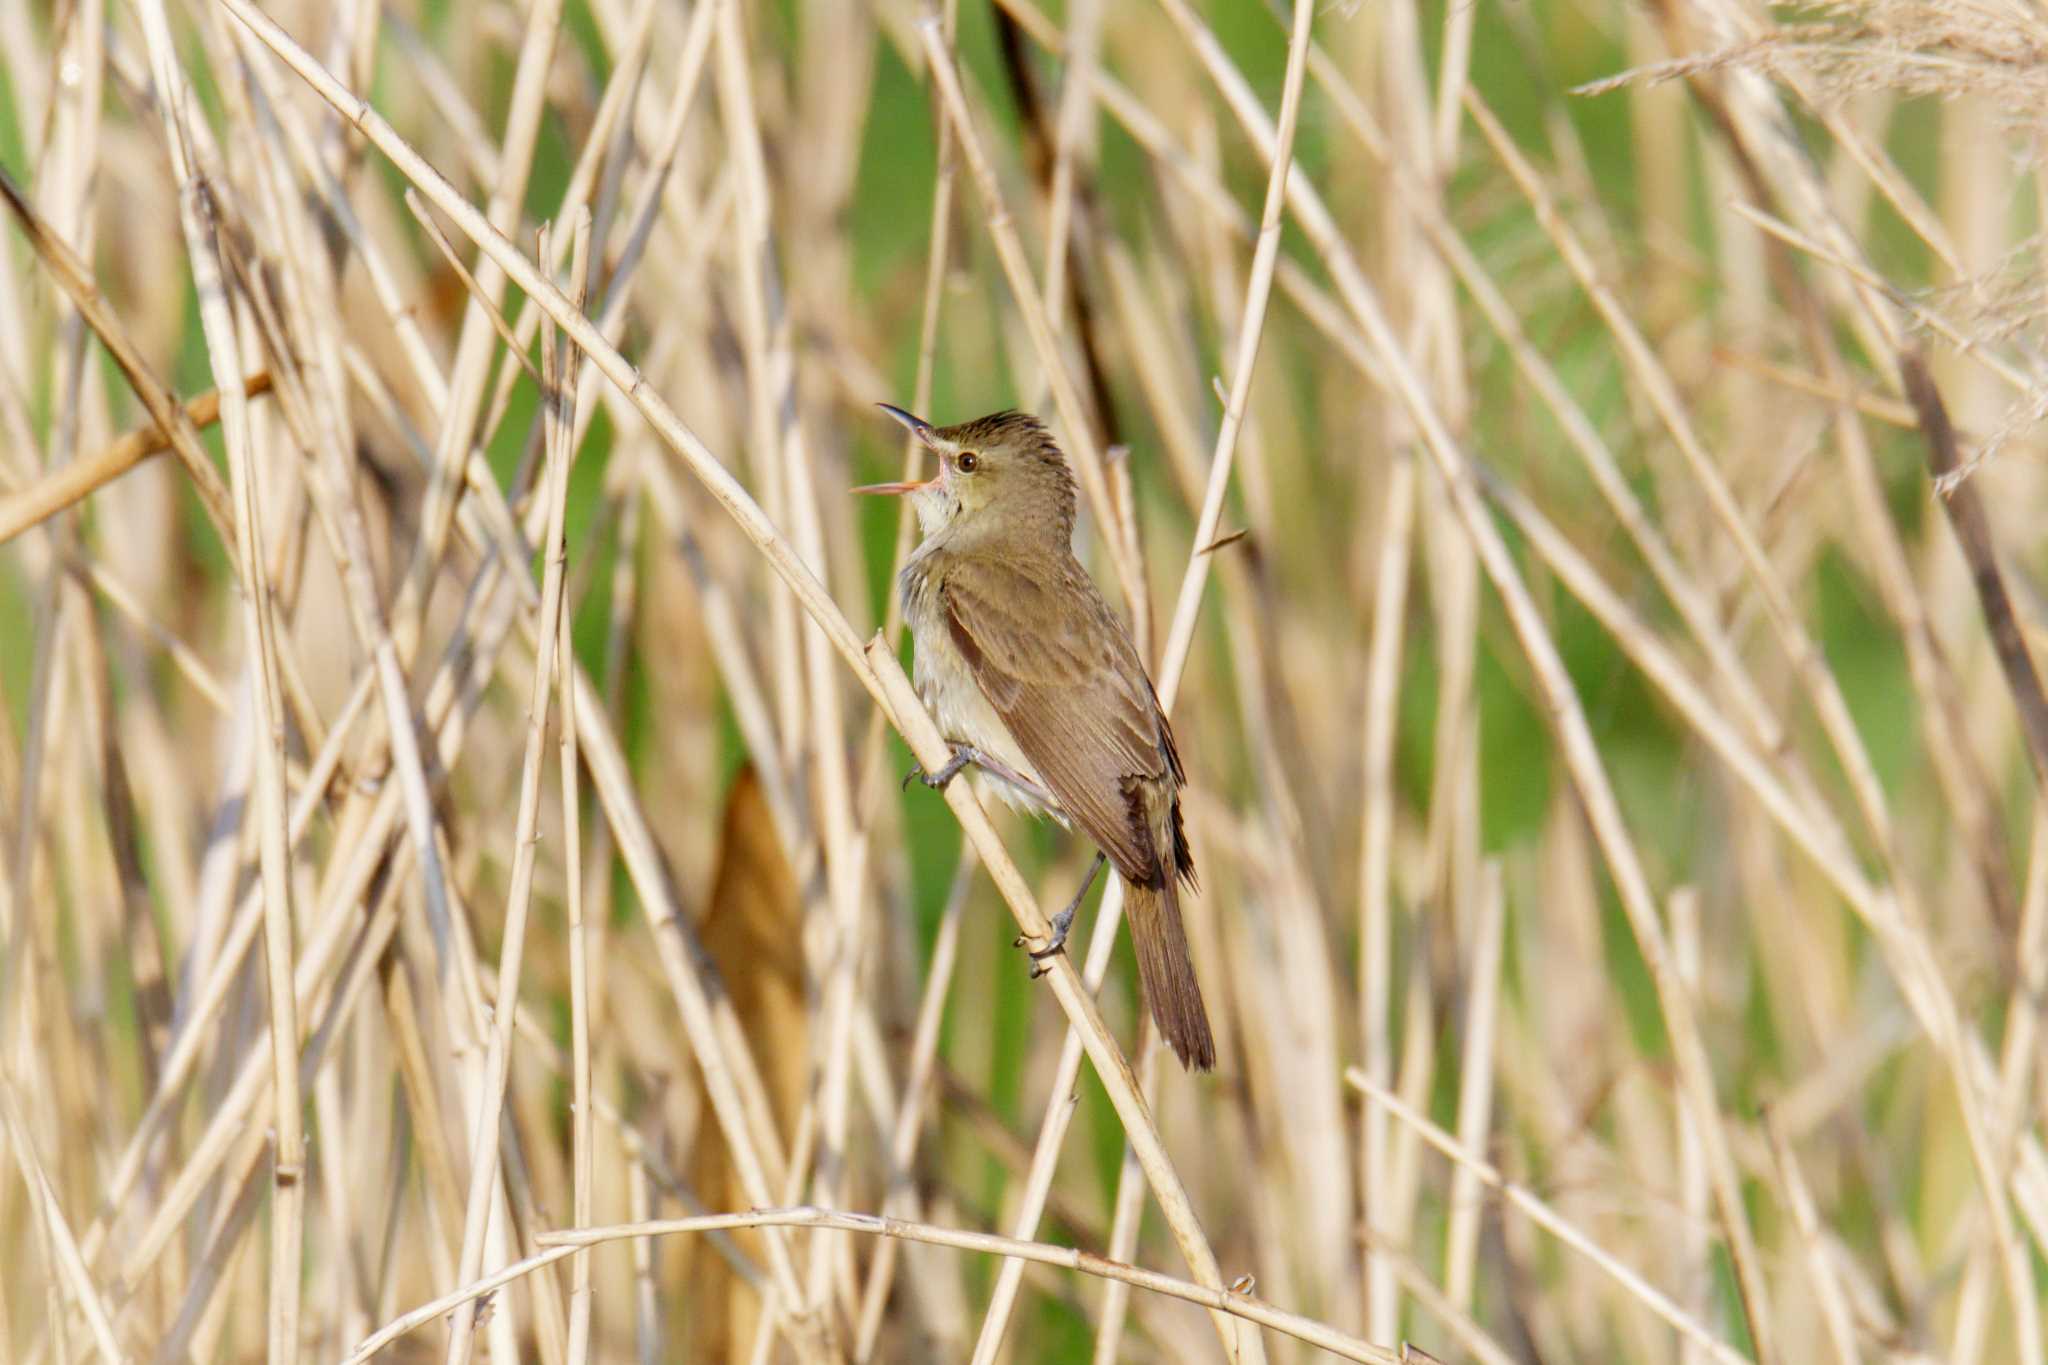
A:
{"x": 449, "y": 824}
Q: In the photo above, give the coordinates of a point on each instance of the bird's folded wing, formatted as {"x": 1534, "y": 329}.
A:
{"x": 1073, "y": 694}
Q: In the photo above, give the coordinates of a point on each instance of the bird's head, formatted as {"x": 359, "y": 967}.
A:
{"x": 1001, "y": 474}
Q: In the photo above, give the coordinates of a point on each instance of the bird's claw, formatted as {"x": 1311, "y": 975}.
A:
{"x": 962, "y": 756}
{"x": 1041, "y": 957}
{"x": 1061, "y": 923}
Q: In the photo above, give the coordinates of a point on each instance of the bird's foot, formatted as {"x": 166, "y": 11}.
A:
{"x": 1041, "y": 958}
{"x": 1030, "y": 788}
{"x": 963, "y": 754}
{"x": 1061, "y": 923}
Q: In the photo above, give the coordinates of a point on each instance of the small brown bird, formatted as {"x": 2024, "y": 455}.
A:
{"x": 1035, "y": 683}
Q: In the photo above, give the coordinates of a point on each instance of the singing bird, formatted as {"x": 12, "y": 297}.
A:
{"x": 1035, "y": 683}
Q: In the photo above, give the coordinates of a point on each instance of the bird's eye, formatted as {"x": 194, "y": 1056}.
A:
{"x": 968, "y": 462}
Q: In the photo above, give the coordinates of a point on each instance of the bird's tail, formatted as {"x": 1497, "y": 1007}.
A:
{"x": 1167, "y": 971}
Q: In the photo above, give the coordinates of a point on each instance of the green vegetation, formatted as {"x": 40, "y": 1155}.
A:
{"x": 1679, "y": 852}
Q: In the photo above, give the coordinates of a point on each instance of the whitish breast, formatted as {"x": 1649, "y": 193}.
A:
{"x": 964, "y": 715}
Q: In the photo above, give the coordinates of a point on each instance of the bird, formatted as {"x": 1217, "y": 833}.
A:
{"x": 1036, "y": 685}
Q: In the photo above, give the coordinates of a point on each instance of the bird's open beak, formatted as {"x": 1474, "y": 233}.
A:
{"x": 917, "y": 427}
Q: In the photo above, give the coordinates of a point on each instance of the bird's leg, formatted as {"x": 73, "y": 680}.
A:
{"x": 1062, "y": 922}
{"x": 964, "y": 754}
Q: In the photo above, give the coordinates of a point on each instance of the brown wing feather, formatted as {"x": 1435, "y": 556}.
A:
{"x": 1076, "y": 700}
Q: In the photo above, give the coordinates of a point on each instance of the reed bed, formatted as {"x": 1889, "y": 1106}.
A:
{"x": 1575, "y": 475}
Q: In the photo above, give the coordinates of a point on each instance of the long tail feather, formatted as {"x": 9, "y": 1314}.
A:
{"x": 1167, "y": 971}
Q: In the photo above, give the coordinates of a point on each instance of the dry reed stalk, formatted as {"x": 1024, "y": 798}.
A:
{"x": 452, "y": 453}
{"x": 1870, "y": 901}
{"x": 617, "y": 297}
{"x": 751, "y": 930}
{"x": 187, "y": 1043}
{"x": 1541, "y": 1213}
{"x": 1038, "y": 1178}
{"x": 729, "y": 1075}
{"x": 310, "y": 397}
{"x": 1188, "y": 601}
{"x": 2014, "y": 1068}
{"x": 767, "y": 329}
{"x": 198, "y": 218}
{"x": 1680, "y": 586}
{"x": 902, "y": 1145}
{"x": 484, "y": 1124}
{"x": 1575, "y": 737}
{"x": 77, "y": 1280}
{"x": 347, "y": 883}
{"x": 937, "y": 262}
{"x": 1258, "y": 294}
{"x": 1671, "y": 409}
{"x": 1850, "y": 948}
{"x": 1916, "y": 977}
{"x": 1375, "y": 876}
{"x": 76, "y": 481}
{"x": 752, "y": 706}
{"x": 562, "y": 1244}
{"x": 581, "y": 1100}
{"x": 1152, "y": 134}
{"x": 635, "y": 1145}
{"x": 1468, "y": 1332}
{"x": 910, "y": 1113}
{"x": 1691, "y": 1267}
{"x": 515, "y": 349}
{"x": 880, "y": 673}
{"x": 1973, "y": 533}
{"x": 602, "y": 153}
{"x": 1820, "y": 841}
{"x": 1071, "y": 143}
{"x": 1827, "y": 1287}
{"x": 1867, "y": 277}
{"x": 1889, "y": 411}
{"x": 1077, "y": 1001}
{"x": 1475, "y": 1096}
{"x": 1123, "y": 1229}
{"x": 1080, "y": 432}
{"x": 166, "y": 415}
